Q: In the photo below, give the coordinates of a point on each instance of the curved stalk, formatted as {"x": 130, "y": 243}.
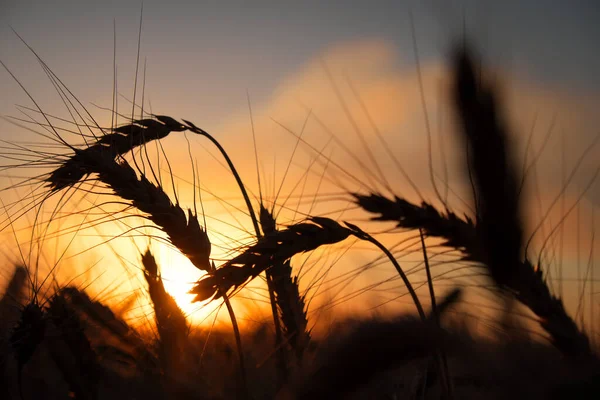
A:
{"x": 360, "y": 234}
{"x": 214, "y": 141}
{"x": 238, "y": 179}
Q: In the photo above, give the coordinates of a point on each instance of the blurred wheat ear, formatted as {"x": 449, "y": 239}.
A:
{"x": 499, "y": 221}
{"x": 495, "y": 239}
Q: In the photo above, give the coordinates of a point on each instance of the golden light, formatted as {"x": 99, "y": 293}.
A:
{"x": 179, "y": 275}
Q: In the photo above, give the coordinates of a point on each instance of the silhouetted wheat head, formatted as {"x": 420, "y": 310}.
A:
{"x": 271, "y": 249}
{"x": 183, "y": 231}
{"x": 169, "y": 317}
{"x": 118, "y": 142}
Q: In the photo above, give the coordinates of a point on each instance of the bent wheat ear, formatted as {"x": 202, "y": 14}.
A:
{"x": 271, "y": 249}
{"x": 457, "y": 233}
{"x": 528, "y": 286}
{"x": 120, "y": 141}
{"x": 185, "y": 233}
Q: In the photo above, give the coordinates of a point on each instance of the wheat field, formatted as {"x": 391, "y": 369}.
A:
{"x": 308, "y": 254}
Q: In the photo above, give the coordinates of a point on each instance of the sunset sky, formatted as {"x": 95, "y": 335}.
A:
{"x": 204, "y": 58}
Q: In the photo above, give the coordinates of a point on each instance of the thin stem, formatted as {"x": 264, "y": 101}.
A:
{"x": 365, "y": 236}
{"x": 202, "y": 132}
{"x": 429, "y": 278}
{"x": 238, "y": 342}
{"x": 278, "y": 334}
{"x": 442, "y": 361}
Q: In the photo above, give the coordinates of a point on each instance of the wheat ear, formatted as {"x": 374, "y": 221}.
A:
{"x": 281, "y": 246}
{"x": 270, "y": 249}
{"x": 119, "y": 141}
{"x": 185, "y": 233}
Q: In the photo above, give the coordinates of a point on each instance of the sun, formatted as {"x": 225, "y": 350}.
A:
{"x": 179, "y": 276}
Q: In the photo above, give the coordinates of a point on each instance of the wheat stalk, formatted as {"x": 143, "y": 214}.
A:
{"x": 269, "y": 279}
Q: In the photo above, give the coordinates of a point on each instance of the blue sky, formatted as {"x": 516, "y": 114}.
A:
{"x": 202, "y": 57}
{"x": 240, "y": 45}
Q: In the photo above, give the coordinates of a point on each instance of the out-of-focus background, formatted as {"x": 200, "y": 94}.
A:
{"x": 210, "y": 62}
